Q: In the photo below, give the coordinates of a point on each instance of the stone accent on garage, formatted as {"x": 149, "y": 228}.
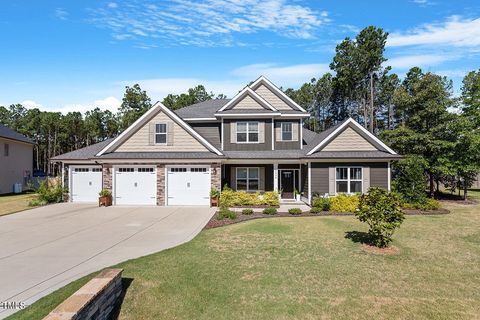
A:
{"x": 107, "y": 176}
{"x": 216, "y": 175}
{"x": 160, "y": 184}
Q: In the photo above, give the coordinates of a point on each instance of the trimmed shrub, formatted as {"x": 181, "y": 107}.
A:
{"x": 344, "y": 203}
{"x": 270, "y": 211}
{"x": 322, "y": 203}
{"x": 230, "y": 198}
{"x": 247, "y": 211}
{"x": 426, "y": 204}
{"x": 316, "y": 210}
{"x": 295, "y": 211}
{"x": 270, "y": 198}
{"x": 381, "y": 210}
{"x": 226, "y": 213}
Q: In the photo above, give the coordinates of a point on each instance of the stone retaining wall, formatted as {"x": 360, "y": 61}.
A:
{"x": 95, "y": 300}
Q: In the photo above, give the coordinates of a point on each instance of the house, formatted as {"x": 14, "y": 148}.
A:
{"x": 16, "y": 159}
{"x": 253, "y": 142}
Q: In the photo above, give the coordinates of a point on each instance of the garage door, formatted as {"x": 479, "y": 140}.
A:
{"x": 135, "y": 186}
{"x": 86, "y": 183}
{"x": 188, "y": 186}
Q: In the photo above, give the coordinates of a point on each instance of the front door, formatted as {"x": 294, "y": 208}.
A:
{"x": 287, "y": 184}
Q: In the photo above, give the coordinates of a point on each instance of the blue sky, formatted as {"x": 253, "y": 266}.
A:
{"x": 73, "y": 55}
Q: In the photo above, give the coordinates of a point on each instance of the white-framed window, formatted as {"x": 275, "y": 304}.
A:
{"x": 348, "y": 180}
{"x": 248, "y": 179}
{"x": 247, "y": 132}
{"x": 287, "y": 131}
{"x": 161, "y": 133}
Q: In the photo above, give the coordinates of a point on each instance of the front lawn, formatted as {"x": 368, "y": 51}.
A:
{"x": 15, "y": 202}
{"x": 306, "y": 268}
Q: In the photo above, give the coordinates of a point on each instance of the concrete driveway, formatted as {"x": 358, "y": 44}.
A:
{"x": 46, "y": 248}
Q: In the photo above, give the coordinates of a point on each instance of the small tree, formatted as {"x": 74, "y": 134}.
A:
{"x": 410, "y": 180}
{"x": 381, "y": 211}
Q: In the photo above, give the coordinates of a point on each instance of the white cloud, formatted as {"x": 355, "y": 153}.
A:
{"x": 421, "y": 60}
{"x": 455, "y": 31}
{"x": 61, "y": 14}
{"x": 30, "y": 104}
{"x": 207, "y": 22}
{"x": 109, "y": 103}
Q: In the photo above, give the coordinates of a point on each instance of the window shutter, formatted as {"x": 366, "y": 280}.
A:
{"x": 261, "y": 176}
{"x": 151, "y": 135}
{"x": 331, "y": 181}
{"x": 233, "y": 132}
{"x": 366, "y": 179}
{"x": 169, "y": 133}
{"x": 261, "y": 132}
{"x": 233, "y": 178}
{"x": 295, "y": 127}
{"x": 278, "y": 131}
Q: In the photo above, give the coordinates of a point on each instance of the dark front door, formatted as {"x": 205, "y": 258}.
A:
{"x": 287, "y": 182}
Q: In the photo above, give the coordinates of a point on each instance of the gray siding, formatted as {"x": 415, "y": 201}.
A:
{"x": 228, "y": 146}
{"x": 227, "y": 169}
{"x": 378, "y": 174}
{"x": 287, "y": 145}
{"x": 210, "y": 131}
{"x": 304, "y": 186}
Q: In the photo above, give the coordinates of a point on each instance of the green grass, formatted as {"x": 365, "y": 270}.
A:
{"x": 12, "y": 203}
{"x": 305, "y": 268}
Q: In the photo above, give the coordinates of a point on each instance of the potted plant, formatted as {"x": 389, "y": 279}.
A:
{"x": 105, "y": 198}
{"x": 214, "y": 197}
{"x": 297, "y": 195}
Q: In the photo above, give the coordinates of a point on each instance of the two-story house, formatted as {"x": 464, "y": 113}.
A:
{"x": 253, "y": 142}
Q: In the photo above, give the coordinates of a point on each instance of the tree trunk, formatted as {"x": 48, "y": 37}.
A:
{"x": 371, "y": 103}
{"x": 432, "y": 185}
{"x": 465, "y": 190}
{"x": 365, "y": 113}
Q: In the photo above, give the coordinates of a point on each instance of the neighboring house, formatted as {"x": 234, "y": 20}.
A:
{"x": 253, "y": 142}
{"x": 16, "y": 159}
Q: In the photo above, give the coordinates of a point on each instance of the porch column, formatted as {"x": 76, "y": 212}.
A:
{"x": 309, "y": 174}
{"x": 275, "y": 177}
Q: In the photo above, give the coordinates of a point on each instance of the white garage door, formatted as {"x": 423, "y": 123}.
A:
{"x": 188, "y": 186}
{"x": 135, "y": 186}
{"x": 86, "y": 183}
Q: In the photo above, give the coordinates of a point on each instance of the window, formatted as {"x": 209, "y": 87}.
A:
{"x": 96, "y": 169}
{"x": 198, "y": 169}
{"x": 6, "y": 149}
{"x": 161, "y": 133}
{"x": 81, "y": 170}
{"x": 178, "y": 169}
{"x": 348, "y": 180}
{"x": 247, "y": 132}
{"x": 286, "y": 131}
{"x": 248, "y": 179}
{"x": 125, "y": 170}
{"x": 145, "y": 169}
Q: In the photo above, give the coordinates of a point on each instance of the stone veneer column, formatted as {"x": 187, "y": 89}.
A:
{"x": 160, "y": 184}
{"x": 107, "y": 176}
{"x": 216, "y": 175}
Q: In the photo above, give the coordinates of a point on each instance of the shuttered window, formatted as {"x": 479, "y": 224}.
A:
{"x": 247, "y": 132}
{"x": 161, "y": 133}
{"x": 348, "y": 179}
{"x": 248, "y": 179}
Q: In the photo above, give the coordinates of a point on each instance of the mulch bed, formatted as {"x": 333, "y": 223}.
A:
{"x": 214, "y": 223}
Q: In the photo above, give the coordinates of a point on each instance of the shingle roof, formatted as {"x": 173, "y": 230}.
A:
{"x": 84, "y": 153}
{"x": 160, "y": 155}
{"x": 205, "y": 109}
{"x": 353, "y": 155}
{"x": 8, "y": 133}
{"x": 243, "y": 111}
{"x": 271, "y": 154}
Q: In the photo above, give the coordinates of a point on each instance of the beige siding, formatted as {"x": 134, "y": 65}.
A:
{"x": 247, "y": 103}
{"x": 272, "y": 98}
{"x": 13, "y": 166}
{"x": 140, "y": 140}
{"x": 349, "y": 140}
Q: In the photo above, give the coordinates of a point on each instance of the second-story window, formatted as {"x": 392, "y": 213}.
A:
{"x": 247, "y": 132}
{"x": 287, "y": 131}
{"x": 161, "y": 133}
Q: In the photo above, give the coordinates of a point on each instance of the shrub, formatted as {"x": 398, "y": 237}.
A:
{"x": 316, "y": 210}
{"x": 225, "y": 213}
{"x": 270, "y": 198}
{"x": 344, "y": 203}
{"x": 426, "y": 204}
{"x": 409, "y": 179}
{"x": 381, "y": 211}
{"x": 295, "y": 211}
{"x": 49, "y": 195}
{"x": 270, "y": 211}
{"x": 322, "y": 203}
{"x": 36, "y": 203}
{"x": 105, "y": 193}
{"x": 247, "y": 211}
{"x": 214, "y": 193}
{"x": 230, "y": 198}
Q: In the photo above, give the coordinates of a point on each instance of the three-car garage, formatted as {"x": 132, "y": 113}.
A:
{"x": 143, "y": 184}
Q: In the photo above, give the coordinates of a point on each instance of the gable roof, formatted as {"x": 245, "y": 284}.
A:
{"x": 328, "y": 135}
{"x": 84, "y": 153}
{"x": 279, "y": 93}
{"x": 202, "y": 110}
{"x": 247, "y": 91}
{"x": 158, "y": 107}
{"x": 8, "y": 133}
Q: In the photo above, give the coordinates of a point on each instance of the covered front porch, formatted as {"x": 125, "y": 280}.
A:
{"x": 287, "y": 178}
